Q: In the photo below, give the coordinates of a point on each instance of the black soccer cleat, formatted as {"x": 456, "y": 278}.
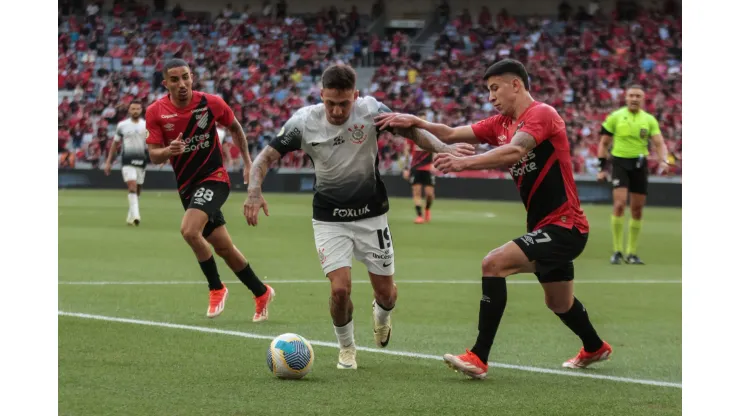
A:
{"x": 633, "y": 259}
{"x": 617, "y": 258}
{"x": 137, "y": 222}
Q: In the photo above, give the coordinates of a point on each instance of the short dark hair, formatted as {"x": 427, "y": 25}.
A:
{"x": 339, "y": 77}
{"x": 508, "y": 66}
{"x": 636, "y": 87}
{"x": 173, "y": 63}
{"x": 136, "y": 102}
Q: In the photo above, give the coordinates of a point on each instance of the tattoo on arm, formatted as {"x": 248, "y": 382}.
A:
{"x": 240, "y": 139}
{"x": 524, "y": 140}
{"x": 423, "y": 139}
{"x": 261, "y": 165}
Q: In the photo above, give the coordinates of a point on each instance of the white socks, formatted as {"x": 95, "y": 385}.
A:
{"x": 381, "y": 315}
{"x": 345, "y": 334}
{"x": 133, "y": 205}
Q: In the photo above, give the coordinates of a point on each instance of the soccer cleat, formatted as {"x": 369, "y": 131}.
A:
{"x": 347, "y": 358}
{"x": 617, "y": 257}
{"x": 419, "y": 220}
{"x": 584, "y": 359}
{"x": 428, "y": 215}
{"x": 217, "y": 301}
{"x": 130, "y": 220}
{"x": 633, "y": 259}
{"x": 137, "y": 221}
{"x": 468, "y": 364}
{"x": 382, "y": 333}
{"x": 261, "y": 304}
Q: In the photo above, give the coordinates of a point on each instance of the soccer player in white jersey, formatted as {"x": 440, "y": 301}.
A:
{"x": 131, "y": 133}
{"x": 350, "y": 201}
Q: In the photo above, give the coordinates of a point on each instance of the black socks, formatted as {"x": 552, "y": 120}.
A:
{"x": 577, "y": 320}
{"x": 251, "y": 280}
{"x": 211, "y": 272}
{"x": 492, "y": 307}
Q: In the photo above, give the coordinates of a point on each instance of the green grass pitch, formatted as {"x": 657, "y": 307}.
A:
{"x": 126, "y": 368}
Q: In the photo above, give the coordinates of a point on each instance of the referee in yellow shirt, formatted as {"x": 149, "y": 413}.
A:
{"x": 630, "y": 129}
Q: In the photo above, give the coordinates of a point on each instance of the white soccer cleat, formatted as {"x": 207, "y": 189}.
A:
{"x": 382, "y": 333}
{"x": 347, "y": 358}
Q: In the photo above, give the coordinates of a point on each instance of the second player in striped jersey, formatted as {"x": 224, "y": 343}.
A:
{"x": 181, "y": 127}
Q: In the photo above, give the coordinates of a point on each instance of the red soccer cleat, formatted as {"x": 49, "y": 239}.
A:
{"x": 419, "y": 220}
{"x": 261, "y": 304}
{"x": 468, "y": 364}
{"x": 428, "y": 215}
{"x": 217, "y": 301}
{"x": 584, "y": 359}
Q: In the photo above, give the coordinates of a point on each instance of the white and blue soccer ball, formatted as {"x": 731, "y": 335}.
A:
{"x": 290, "y": 356}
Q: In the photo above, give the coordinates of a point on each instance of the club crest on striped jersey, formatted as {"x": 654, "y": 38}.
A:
{"x": 203, "y": 121}
{"x": 357, "y": 133}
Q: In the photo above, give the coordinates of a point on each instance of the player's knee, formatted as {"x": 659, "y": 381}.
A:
{"x": 223, "y": 251}
{"x": 494, "y": 264}
{"x": 558, "y": 304}
{"x": 190, "y": 234}
{"x": 636, "y": 213}
{"x": 430, "y": 194}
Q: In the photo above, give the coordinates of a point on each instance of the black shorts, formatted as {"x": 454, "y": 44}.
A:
{"x": 552, "y": 249}
{"x": 631, "y": 174}
{"x": 208, "y": 197}
{"x": 421, "y": 177}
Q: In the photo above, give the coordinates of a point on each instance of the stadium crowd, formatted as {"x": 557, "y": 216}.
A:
{"x": 267, "y": 63}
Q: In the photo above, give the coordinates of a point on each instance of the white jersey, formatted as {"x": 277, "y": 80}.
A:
{"x": 134, "y": 148}
{"x": 348, "y": 185}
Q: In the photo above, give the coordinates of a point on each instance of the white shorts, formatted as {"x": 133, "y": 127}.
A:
{"x": 133, "y": 173}
{"x": 369, "y": 240}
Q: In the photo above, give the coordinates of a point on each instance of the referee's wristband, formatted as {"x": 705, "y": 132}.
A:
{"x": 602, "y": 163}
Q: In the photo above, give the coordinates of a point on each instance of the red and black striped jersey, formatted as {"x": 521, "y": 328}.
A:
{"x": 420, "y": 158}
{"x": 544, "y": 176}
{"x": 202, "y": 160}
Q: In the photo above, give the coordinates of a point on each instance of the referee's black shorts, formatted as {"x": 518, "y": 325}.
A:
{"x": 630, "y": 173}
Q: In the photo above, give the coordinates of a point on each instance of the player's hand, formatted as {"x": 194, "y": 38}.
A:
{"x": 601, "y": 176}
{"x": 461, "y": 149}
{"x": 664, "y": 168}
{"x": 107, "y": 169}
{"x": 406, "y": 174}
{"x": 447, "y": 163}
{"x": 177, "y": 147}
{"x": 390, "y": 120}
{"x": 252, "y": 206}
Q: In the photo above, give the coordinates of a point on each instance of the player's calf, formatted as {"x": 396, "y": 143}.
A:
{"x": 386, "y": 293}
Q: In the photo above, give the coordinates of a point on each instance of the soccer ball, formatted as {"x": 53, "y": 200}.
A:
{"x": 290, "y": 356}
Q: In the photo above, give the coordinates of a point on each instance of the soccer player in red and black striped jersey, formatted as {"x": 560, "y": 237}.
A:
{"x": 181, "y": 127}
{"x": 532, "y": 143}
{"x": 419, "y": 173}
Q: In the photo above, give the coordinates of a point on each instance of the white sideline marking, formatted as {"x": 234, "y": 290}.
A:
{"x": 401, "y": 282}
{"x": 375, "y": 350}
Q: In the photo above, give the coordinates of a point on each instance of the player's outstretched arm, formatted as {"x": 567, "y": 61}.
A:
{"x": 432, "y": 144}
{"x": 445, "y": 133}
{"x": 240, "y": 140}
{"x": 255, "y": 201}
{"x": 502, "y": 156}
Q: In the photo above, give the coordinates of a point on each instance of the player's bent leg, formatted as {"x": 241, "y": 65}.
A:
{"x": 557, "y": 283}
{"x": 341, "y": 308}
{"x": 637, "y": 204}
{"x": 429, "y": 194}
{"x": 385, "y": 295}
{"x": 497, "y": 265}
{"x": 193, "y": 223}
{"x": 416, "y": 195}
{"x": 263, "y": 294}
{"x": 619, "y": 196}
